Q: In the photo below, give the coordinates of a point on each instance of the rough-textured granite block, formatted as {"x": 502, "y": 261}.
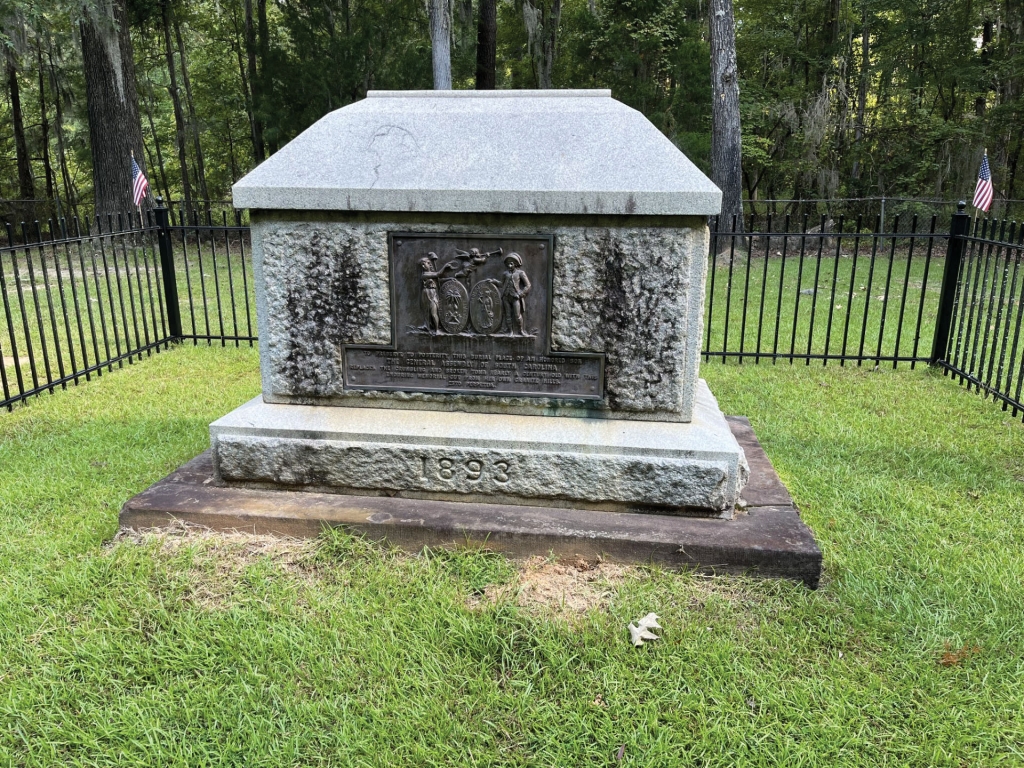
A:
{"x": 632, "y": 289}
{"x": 534, "y": 460}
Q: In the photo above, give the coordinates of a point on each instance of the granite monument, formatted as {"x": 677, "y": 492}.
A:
{"x": 489, "y": 297}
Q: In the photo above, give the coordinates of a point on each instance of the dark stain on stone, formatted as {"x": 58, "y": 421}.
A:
{"x": 323, "y": 309}
{"x": 639, "y": 354}
{"x": 631, "y": 204}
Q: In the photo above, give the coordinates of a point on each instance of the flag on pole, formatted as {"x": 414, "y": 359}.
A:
{"x": 139, "y": 183}
{"x": 983, "y": 192}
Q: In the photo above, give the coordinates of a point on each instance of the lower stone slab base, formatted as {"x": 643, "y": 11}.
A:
{"x": 611, "y": 465}
{"x": 765, "y": 538}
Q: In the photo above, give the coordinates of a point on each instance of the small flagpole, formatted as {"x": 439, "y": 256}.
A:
{"x": 138, "y": 207}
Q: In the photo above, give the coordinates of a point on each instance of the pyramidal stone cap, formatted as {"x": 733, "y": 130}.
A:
{"x": 537, "y": 152}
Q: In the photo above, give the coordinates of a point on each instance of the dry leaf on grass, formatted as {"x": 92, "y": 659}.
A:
{"x": 642, "y": 630}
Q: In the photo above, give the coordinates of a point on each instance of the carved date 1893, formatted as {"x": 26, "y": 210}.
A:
{"x": 468, "y": 470}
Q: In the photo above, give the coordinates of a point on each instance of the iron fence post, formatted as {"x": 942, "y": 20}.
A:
{"x": 958, "y": 229}
{"x": 167, "y": 269}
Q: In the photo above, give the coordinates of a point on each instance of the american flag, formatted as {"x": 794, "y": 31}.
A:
{"x": 139, "y": 183}
{"x": 983, "y": 192}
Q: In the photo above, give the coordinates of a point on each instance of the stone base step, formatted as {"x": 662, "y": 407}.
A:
{"x": 766, "y": 537}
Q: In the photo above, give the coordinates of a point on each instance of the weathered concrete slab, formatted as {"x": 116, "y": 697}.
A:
{"x": 768, "y": 540}
{"x": 550, "y": 151}
{"x": 613, "y": 465}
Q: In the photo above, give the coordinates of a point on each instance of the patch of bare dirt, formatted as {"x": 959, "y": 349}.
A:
{"x": 238, "y": 546}
{"x": 567, "y": 587}
{"x": 220, "y": 558}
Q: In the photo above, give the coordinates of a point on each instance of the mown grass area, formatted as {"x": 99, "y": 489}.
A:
{"x": 346, "y": 653}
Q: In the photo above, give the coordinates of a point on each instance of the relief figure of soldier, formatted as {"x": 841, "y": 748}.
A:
{"x": 513, "y": 296}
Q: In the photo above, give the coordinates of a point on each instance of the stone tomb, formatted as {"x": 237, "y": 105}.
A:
{"x": 485, "y": 297}
{"x": 480, "y": 317}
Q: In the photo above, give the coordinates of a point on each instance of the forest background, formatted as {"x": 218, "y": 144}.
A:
{"x": 839, "y": 98}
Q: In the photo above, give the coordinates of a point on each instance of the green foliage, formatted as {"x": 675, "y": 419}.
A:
{"x": 941, "y": 81}
{"x": 653, "y": 55}
{"x": 934, "y": 96}
{"x": 317, "y": 66}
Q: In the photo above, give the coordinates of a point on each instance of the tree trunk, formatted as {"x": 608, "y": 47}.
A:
{"x": 542, "y": 37}
{"x": 26, "y": 185}
{"x": 237, "y": 43}
{"x": 44, "y": 124}
{"x": 441, "y": 43}
{"x": 115, "y": 130}
{"x": 231, "y": 152}
{"x": 726, "y": 150}
{"x": 263, "y": 44}
{"x": 487, "y": 45}
{"x": 156, "y": 142}
{"x": 1012, "y": 179}
{"x": 193, "y": 122}
{"x": 70, "y": 198}
{"x": 550, "y": 45}
{"x": 259, "y": 149}
{"x": 862, "y": 93}
{"x": 179, "y": 117}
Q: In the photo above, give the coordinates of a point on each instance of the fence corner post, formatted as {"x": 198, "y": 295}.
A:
{"x": 167, "y": 269}
{"x": 955, "y": 247}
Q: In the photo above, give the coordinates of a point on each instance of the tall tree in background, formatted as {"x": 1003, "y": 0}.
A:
{"x": 259, "y": 149}
{"x": 115, "y": 130}
{"x": 263, "y": 75}
{"x": 44, "y": 119}
{"x": 440, "y": 12}
{"x": 486, "y": 45}
{"x": 179, "y": 115}
{"x": 26, "y": 185}
{"x": 726, "y": 149}
{"x": 59, "y": 96}
{"x": 12, "y": 43}
{"x": 541, "y": 20}
{"x": 192, "y": 119}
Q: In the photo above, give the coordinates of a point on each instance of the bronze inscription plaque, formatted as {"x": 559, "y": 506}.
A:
{"x": 472, "y": 313}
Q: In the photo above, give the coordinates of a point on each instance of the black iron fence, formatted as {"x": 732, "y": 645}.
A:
{"x": 212, "y": 272}
{"x": 79, "y": 300}
{"x": 842, "y": 292}
{"x": 979, "y": 338}
{"x": 835, "y": 291}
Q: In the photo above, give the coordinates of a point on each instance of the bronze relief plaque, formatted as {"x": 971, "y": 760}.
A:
{"x": 472, "y": 313}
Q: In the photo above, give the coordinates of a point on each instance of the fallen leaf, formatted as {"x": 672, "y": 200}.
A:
{"x": 638, "y": 635}
{"x": 953, "y": 658}
{"x": 650, "y": 621}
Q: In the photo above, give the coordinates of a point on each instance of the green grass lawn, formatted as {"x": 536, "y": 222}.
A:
{"x": 206, "y": 651}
